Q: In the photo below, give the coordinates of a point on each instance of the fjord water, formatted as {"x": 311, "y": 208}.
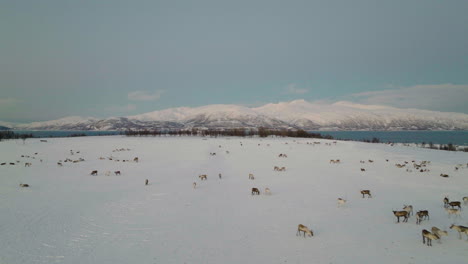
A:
{"x": 459, "y": 137}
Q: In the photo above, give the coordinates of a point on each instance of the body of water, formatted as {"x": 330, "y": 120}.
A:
{"x": 436, "y": 137}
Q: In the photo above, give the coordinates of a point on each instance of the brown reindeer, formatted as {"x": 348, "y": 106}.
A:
{"x": 94, "y": 172}
{"x": 429, "y": 236}
{"x": 461, "y": 229}
{"x": 421, "y": 215}
{"x": 203, "y": 177}
{"x": 446, "y": 201}
{"x": 251, "y": 176}
{"x": 455, "y": 203}
{"x": 24, "y": 185}
{"x": 362, "y": 169}
{"x": 305, "y": 229}
{"x": 465, "y": 200}
{"x": 146, "y": 182}
{"x": 136, "y": 159}
{"x": 399, "y": 214}
{"x": 364, "y": 192}
{"x": 117, "y": 173}
{"x": 27, "y": 164}
{"x": 255, "y": 191}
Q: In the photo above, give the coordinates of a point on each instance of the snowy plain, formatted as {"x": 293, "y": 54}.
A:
{"x": 69, "y": 216}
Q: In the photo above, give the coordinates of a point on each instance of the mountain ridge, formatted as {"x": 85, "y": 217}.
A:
{"x": 297, "y": 114}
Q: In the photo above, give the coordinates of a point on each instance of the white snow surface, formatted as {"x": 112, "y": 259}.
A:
{"x": 69, "y": 216}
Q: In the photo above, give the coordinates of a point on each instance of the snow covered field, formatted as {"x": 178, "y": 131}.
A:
{"x": 69, "y": 216}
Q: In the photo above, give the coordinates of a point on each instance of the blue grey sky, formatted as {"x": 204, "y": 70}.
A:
{"x": 115, "y": 58}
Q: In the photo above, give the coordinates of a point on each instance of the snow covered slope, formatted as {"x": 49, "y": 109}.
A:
{"x": 295, "y": 114}
{"x": 68, "y": 216}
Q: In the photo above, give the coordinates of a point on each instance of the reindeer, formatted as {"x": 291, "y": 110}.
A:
{"x": 255, "y": 191}
{"x": 276, "y": 168}
{"x": 399, "y": 214}
{"x": 341, "y": 202}
{"x": 59, "y": 164}
{"x": 282, "y": 169}
{"x": 3, "y": 163}
{"x": 267, "y": 191}
{"x": 135, "y": 159}
{"x": 452, "y": 211}
{"x": 117, "y": 173}
{"x": 439, "y": 232}
{"x": 364, "y": 192}
{"x": 455, "y": 203}
{"x": 429, "y": 236}
{"x": 446, "y": 201}
{"x": 362, "y": 169}
{"x": 203, "y": 177}
{"x": 465, "y": 200}
{"x": 409, "y": 209}
{"x": 421, "y": 215}
{"x": 251, "y": 176}
{"x": 107, "y": 173}
{"x": 24, "y": 185}
{"x": 94, "y": 172}
{"x": 219, "y": 175}
{"x": 146, "y": 182}
{"x": 305, "y": 229}
{"x": 461, "y": 229}
{"x": 444, "y": 175}
{"x": 194, "y": 185}
{"x": 27, "y": 164}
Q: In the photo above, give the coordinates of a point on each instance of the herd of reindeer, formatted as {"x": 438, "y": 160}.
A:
{"x": 405, "y": 213}
{"x": 452, "y": 207}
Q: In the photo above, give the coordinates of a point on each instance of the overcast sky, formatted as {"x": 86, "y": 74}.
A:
{"x": 116, "y": 58}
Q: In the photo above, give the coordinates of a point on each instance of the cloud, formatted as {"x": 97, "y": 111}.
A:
{"x": 292, "y": 89}
{"x": 145, "y": 95}
{"x": 119, "y": 109}
{"x": 439, "y": 97}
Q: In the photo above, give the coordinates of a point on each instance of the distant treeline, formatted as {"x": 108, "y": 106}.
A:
{"x": 12, "y": 135}
{"x": 237, "y": 132}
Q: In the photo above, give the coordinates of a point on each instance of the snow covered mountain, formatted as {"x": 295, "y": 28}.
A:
{"x": 298, "y": 114}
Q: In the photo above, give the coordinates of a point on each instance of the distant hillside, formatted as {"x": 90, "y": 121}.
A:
{"x": 297, "y": 114}
{"x": 4, "y": 128}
